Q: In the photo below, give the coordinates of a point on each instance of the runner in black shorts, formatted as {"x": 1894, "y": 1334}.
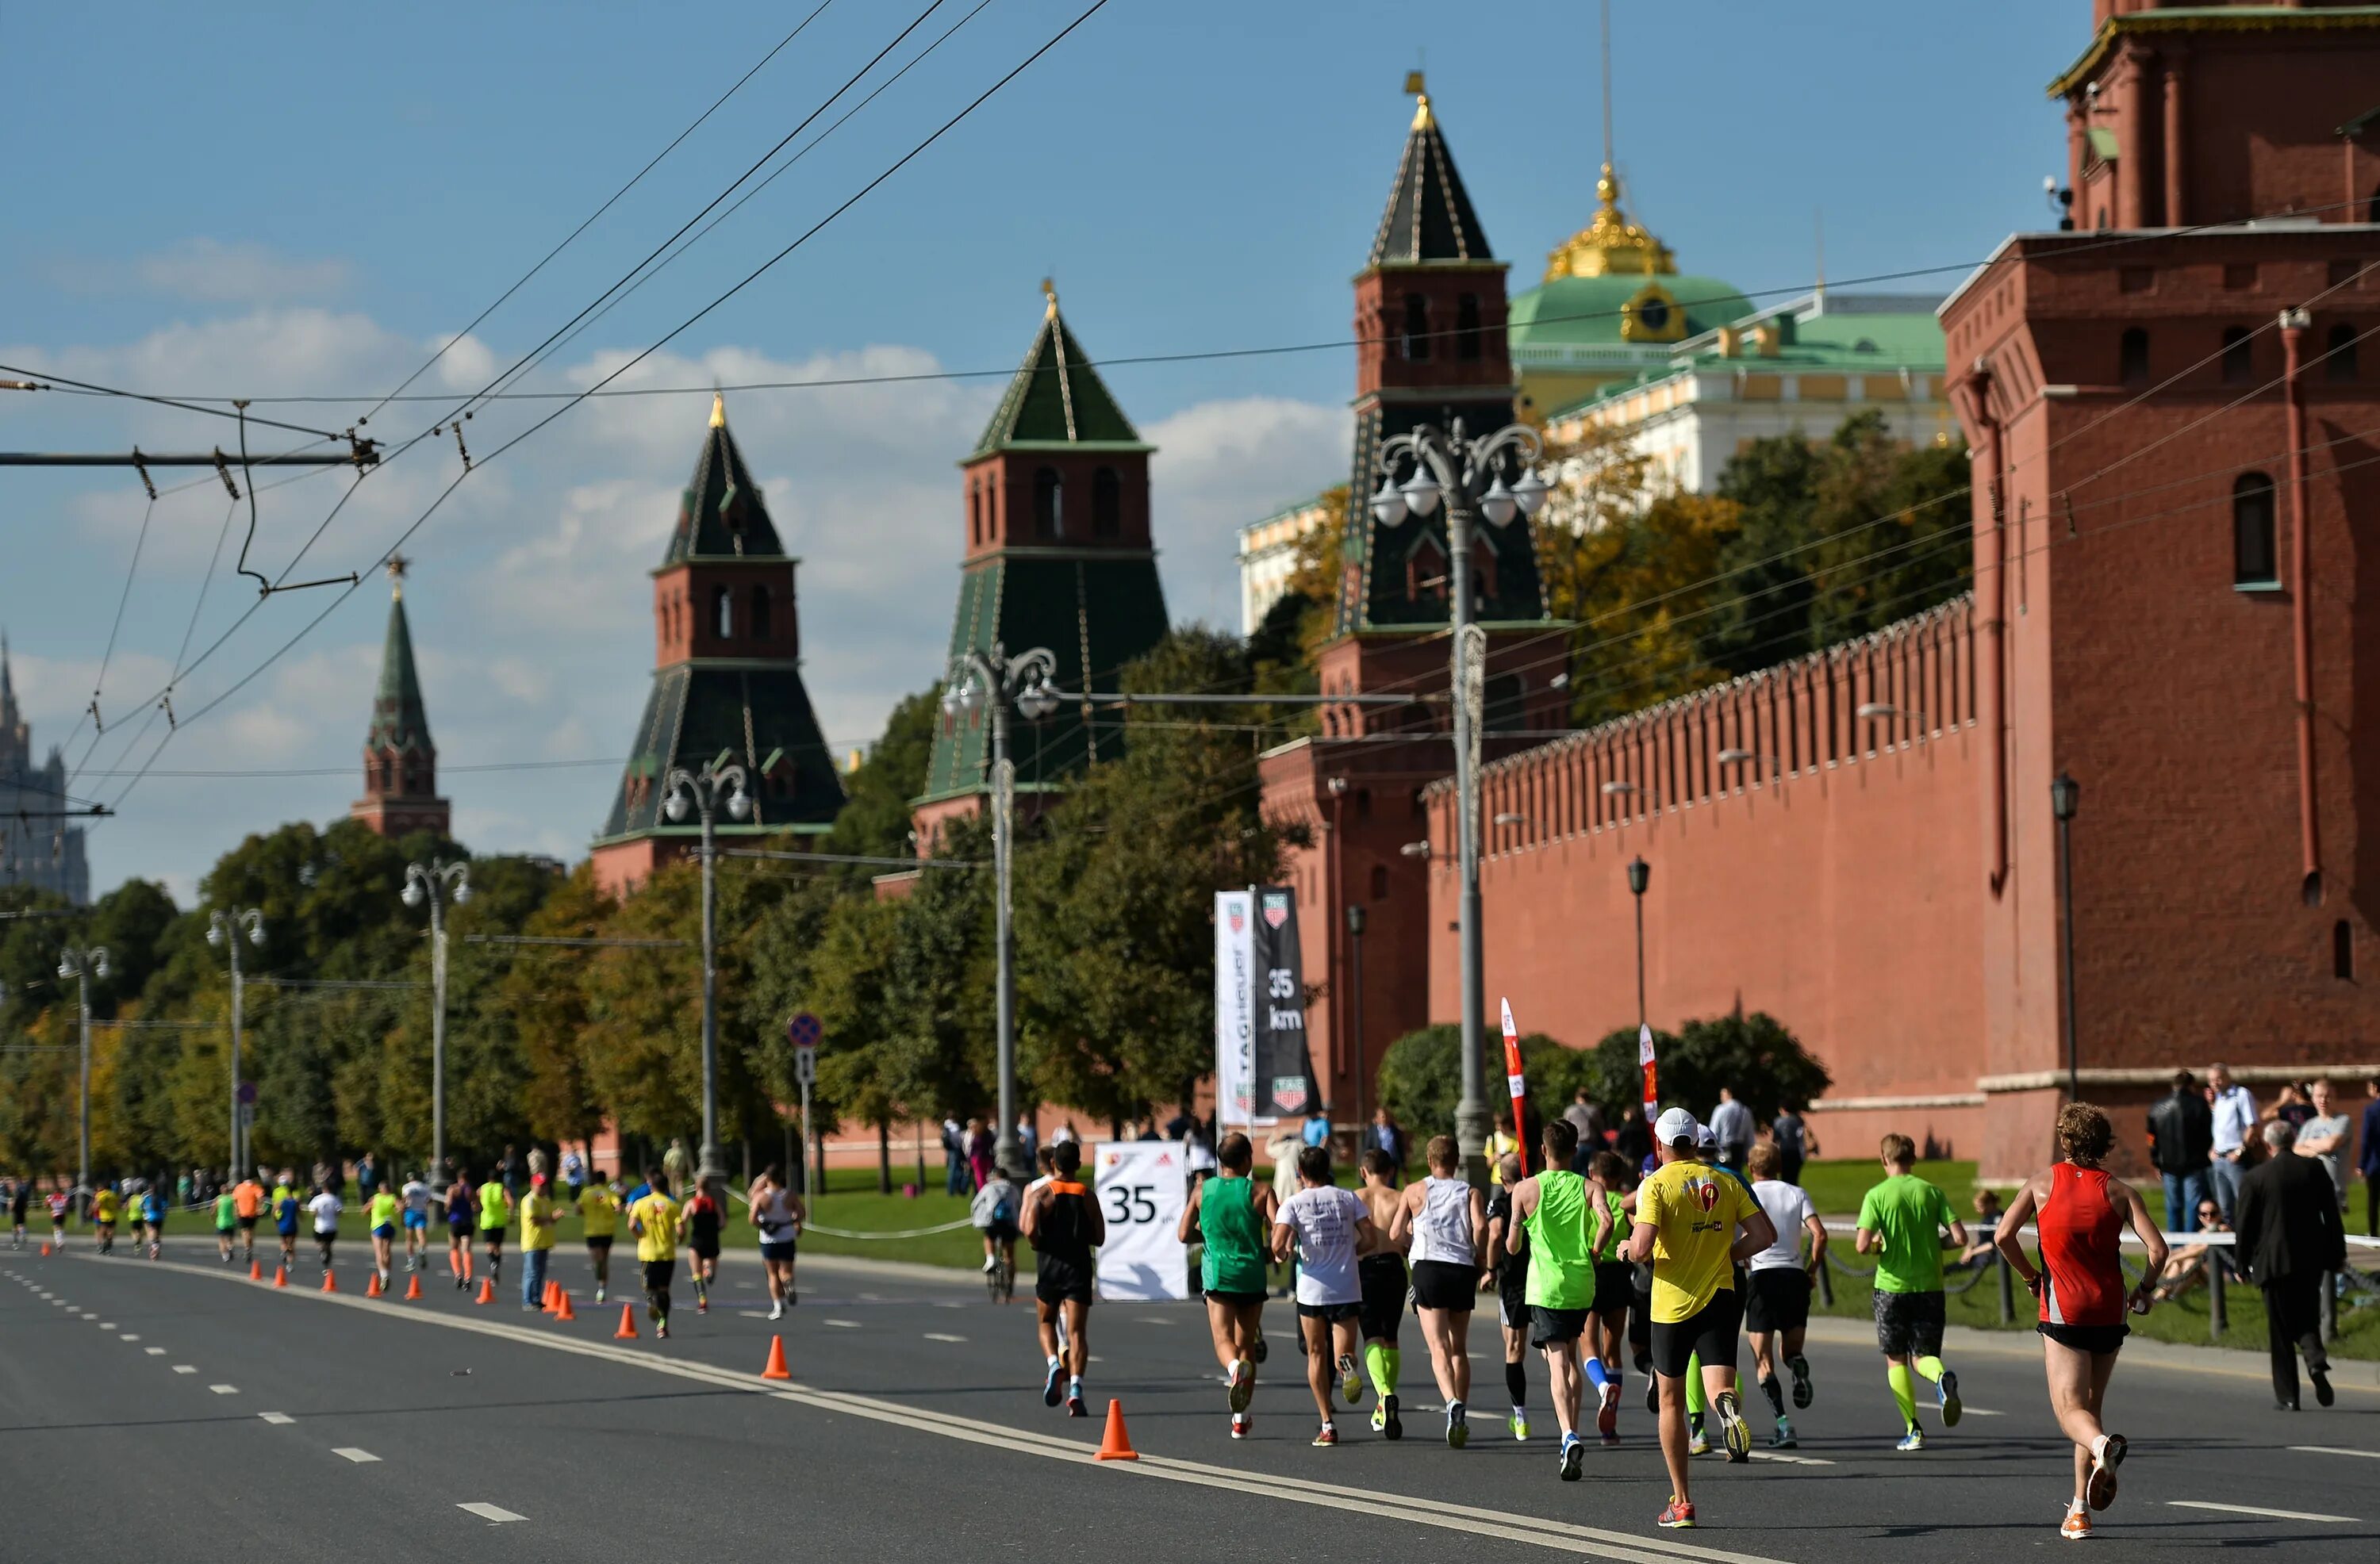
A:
{"x": 1508, "y": 1270}
{"x": 1615, "y": 1291}
{"x": 1381, "y": 1274}
{"x": 1063, "y": 1224}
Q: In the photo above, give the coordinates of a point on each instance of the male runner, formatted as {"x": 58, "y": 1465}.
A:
{"x": 1446, "y": 1223}
{"x": 1615, "y": 1290}
{"x": 1380, "y": 1272}
{"x": 1902, "y": 1221}
{"x": 20, "y": 1200}
{"x": 462, "y": 1212}
{"x": 1687, "y": 1217}
{"x": 381, "y": 1213}
{"x": 103, "y": 1216}
{"x": 248, "y": 1201}
{"x": 152, "y": 1218}
{"x": 326, "y": 1206}
{"x": 1045, "y": 1159}
{"x": 702, "y": 1220}
{"x": 598, "y": 1222}
{"x": 1326, "y": 1227}
{"x": 1778, "y": 1302}
{"x": 495, "y": 1215}
{"x": 226, "y": 1223}
{"x": 1063, "y": 1224}
{"x": 60, "y": 1202}
{"x": 1565, "y": 1225}
{"x": 1233, "y": 1214}
{"x": 414, "y": 1197}
{"x": 653, "y": 1218}
{"x": 1507, "y": 1262}
{"x": 285, "y": 1204}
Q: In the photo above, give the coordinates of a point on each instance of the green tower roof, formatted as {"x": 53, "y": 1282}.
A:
{"x": 722, "y": 515}
{"x": 399, "y": 718}
{"x": 1429, "y": 217}
{"x": 1057, "y": 399}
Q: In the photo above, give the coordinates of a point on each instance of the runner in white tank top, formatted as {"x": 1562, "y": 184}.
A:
{"x": 1448, "y": 1221}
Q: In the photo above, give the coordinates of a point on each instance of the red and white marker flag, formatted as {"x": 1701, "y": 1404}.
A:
{"x": 1517, "y": 1085}
{"x": 1644, "y": 1059}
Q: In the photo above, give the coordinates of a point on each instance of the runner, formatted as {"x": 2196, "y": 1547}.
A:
{"x": 20, "y": 1200}
{"x": 1687, "y": 1217}
{"x": 1446, "y": 1222}
{"x": 778, "y": 1213}
{"x": 248, "y": 1200}
{"x": 1231, "y": 1214}
{"x": 380, "y": 1214}
{"x": 2082, "y": 1212}
{"x": 1045, "y": 1159}
{"x": 539, "y": 1218}
{"x": 284, "y": 1204}
{"x": 1902, "y": 1221}
{"x": 462, "y": 1211}
{"x": 60, "y": 1202}
{"x": 1380, "y": 1272}
{"x": 495, "y": 1215}
{"x": 703, "y": 1217}
{"x": 653, "y": 1218}
{"x": 598, "y": 1222}
{"x": 993, "y": 1213}
{"x": 1565, "y": 1225}
{"x": 1327, "y": 1226}
{"x": 152, "y": 1218}
{"x": 1615, "y": 1291}
{"x": 1777, "y": 1308}
{"x": 415, "y": 1218}
{"x": 326, "y": 1206}
{"x": 226, "y": 1223}
{"x": 1507, "y": 1262}
{"x": 1063, "y": 1224}
{"x": 102, "y": 1218}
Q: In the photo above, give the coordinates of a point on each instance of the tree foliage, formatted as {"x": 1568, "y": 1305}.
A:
{"x": 1754, "y": 1056}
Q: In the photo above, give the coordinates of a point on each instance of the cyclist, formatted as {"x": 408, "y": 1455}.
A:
{"x": 993, "y": 1212}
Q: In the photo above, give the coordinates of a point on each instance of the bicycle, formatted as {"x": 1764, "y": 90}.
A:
{"x": 1000, "y": 1281}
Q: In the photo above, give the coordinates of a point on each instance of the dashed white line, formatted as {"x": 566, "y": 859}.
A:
{"x": 106, "y": 1325}
{"x": 224, "y": 1389}
{"x": 184, "y": 1368}
{"x": 2336, "y": 1449}
{"x": 159, "y": 1352}
{"x": 277, "y": 1418}
{"x": 359, "y": 1457}
{"x": 1152, "y": 1319}
{"x": 1791, "y": 1459}
{"x": 486, "y": 1511}
{"x": 129, "y": 1336}
{"x": 842, "y": 1324}
{"x": 1968, "y": 1411}
{"x": 2259, "y": 1509}
{"x": 942, "y": 1335}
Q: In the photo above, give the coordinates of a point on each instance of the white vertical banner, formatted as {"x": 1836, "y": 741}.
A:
{"x": 1235, "y": 988}
{"x": 1141, "y": 1187}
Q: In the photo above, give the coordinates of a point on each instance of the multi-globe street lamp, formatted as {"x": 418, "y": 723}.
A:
{"x": 82, "y": 965}
{"x": 995, "y": 679}
{"x": 433, "y": 882}
{"x": 699, "y": 792}
{"x": 1492, "y": 477}
{"x": 224, "y": 929}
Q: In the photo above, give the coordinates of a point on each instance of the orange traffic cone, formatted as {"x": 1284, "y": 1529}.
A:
{"x": 1116, "y": 1445}
{"x": 256, "y": 1270}
{"x": 372, "y": 1284}
{"x": 281, "y": 1276}
{"x": 553, "y": 1297}
{"x": 563, "y": 1311}
{"x": 628, "y": 1331}
{"x": 45, "y": 1249}
{"x": 487, "y": 1291}
{"x": 776, "y": 1369}
{"x": 330, "y": 1281}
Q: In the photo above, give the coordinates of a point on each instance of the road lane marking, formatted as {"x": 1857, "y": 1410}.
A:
{"x": 363, "y": 1458}
{"x": 128, "y": 1336}
{"x": 1791, "y": 1459}
{"x": 184, "y": 1368}
{"x": 106, "y": 1325}
{"x": 278, "y": 1419}
{"x": 158, "y": 1353}
{"x": 842, "y": 1324}
{"x": 2336, "y": 1449}
{"x": 486, "y": 1511}
{"x": 1968, "y": 1411}
{"x": 224, "y": 1389}
{"x": 942, "y": 1335}
{"x": 2260, "y": 1511}
{"x": 1556, "y": 1536}
{"x": 1152, "y": 1319}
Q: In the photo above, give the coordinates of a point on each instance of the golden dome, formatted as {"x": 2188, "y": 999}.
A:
{"x": 1611, "y": 244}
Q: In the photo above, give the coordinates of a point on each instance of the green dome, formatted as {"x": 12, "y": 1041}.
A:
{"x": 1585, "y": 310}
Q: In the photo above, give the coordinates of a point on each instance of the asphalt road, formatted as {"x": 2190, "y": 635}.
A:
{"x": 173, "y": 1412}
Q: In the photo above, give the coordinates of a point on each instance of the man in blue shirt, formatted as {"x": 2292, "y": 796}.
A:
{"x": 2367, "y": 1161}
{"x": 2235, "y": 1120}
{"x": 1317, "y": 1127}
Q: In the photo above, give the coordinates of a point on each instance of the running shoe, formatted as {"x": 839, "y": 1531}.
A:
{"x": 1053, "y": 1388}
{"x": 1607, "y": 1416}
{"x": 1678, "y": 1514}
{"x": 2100, "y": 1488}
{"x": 1350, "y": 1383}
{"x": 1241, "y": 1422}
{"x": 1652, "y": 1393}
{"x": 1075, "y": 1407}
{"x": 1698, "y": 1441}
{"x": 1946, "y": 1393}
{"x": 1458, "y": 1426}
{"x": 1573, "y": 1458}
{"x": 1329, "y": 1436}
{"x": 777, "y": 1309}
{"x": 1380, "y": 1415}
{"x": 661, "y": 1329}
{"x": 1390, "y": 1424}
{"x": 1519, "y": 1424}
{"x": 990, "y": 1265}
{"x": 1733, "y": 1432}
{"x": 599, "y": 1294}
{"x": 1913, "y": 1440}
{"x": 1784, "y": 1438}
{"x": 2076, "y": 1526}
{"x": 1244, "y": 1386}
{"x": 1258, "y": 1351}
{"x": 1802, "y": 1394}
{"x": 702, "y": 1306}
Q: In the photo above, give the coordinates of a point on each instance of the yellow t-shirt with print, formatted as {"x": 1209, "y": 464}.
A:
{"x": 655, "y": 1218}
{"x": 537, "y": 1226}
{"x": 598, "y": 1211}
{"x": 1693, "y": 1209}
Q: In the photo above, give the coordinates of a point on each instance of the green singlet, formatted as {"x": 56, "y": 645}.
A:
{"x": 1227, "y": 1215}
{"x": 1561, "y": 1272}
{"x": 1619, "y": 1229}
{"x": 227, "y": 1212}
{"x": 493, "y": 1214}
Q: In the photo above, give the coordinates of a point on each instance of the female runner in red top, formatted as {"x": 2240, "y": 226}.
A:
{"x": 2082, "y": 1211}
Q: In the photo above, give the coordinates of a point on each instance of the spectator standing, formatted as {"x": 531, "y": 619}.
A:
{"x": 954, "y": 1178}
{"x": 1389, "y": 1137}
{"x": 979, "y": 1151}
{"x": 2181, "y": 1139}
{"x": 508, "y": 1169}
{"x": 2290, "y": 1106}
{"x": 574, "y": 1173}
{"x": 1634, "y": 1139}
{"x": 2324, "y": 1136}
{"x": 2368, "y": 1161}
{"x": 2289, "y": 1240}
{"x": 1587, "y": 1119}
{"x": 676, "y": 1164}
{"x": 1796, "y": 1144}
{"x": 1317, "y": 1127}
{"x": 1732, "y": 1123}
{"x": 367, "y": 1177}
{"x": 2235, "y": 1120}
{"x": 1282, "y": 1151}
{"x": 1028, "y": 1139}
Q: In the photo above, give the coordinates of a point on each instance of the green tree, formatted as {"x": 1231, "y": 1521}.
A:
{"x": 1753, "y": 1056}
{"x": 1420, "y": 1078}
{"x": 874, "y": 819}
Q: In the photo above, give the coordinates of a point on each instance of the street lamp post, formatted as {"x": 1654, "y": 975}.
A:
{"x": 1469, "y": 475}
{"x": 1356, "y": 1003}
{"x": 698, "y": 792}
{"x": 82, "y": 965}
{"x": 224, "y": 929}
{"x": 1640, "y": 874}
{"x": 2065, "y": 798}
{"x": 977, "y": 679}
{"x": 433, "y": 882}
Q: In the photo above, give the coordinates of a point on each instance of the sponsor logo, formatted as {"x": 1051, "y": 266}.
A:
{"x": 1276, "y": 908}
{"x": 1288, "y": 1093}
{"x": 1239, "y": 917}
{"x": 1707, "y": 1192}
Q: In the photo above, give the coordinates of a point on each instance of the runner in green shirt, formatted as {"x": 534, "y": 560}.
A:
{"x": 227, "y": 1222}
{"x": 495, "y": 1214}
{"x": 1235, "y": 1215}
{"x": 1906, "y": 1223}
{"x": 380, "y": 1221}
{"x": 1565, "y": 1227}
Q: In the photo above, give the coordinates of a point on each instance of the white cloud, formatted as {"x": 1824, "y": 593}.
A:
{"x": 1221, "y": 465}
{"x": 209, "y": 271}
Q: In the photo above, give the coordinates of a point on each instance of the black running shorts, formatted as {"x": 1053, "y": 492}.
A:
{"x": 1444, "y": 1284}
{"x": 1330, "y": 1314}
{"x": 1711, "y": 1334}
{"x": 1057, "y": 1280}
{"x": 2097, "y": 1339}
{"x": 1908, "y": 1325}
{"x": 1554, "y": 1327}
{"x": 1382, "y": 1277}
{"x": 657, "y": 1274}
{"x": 1779, "y": 1300}
{"x": 1615, "y": 1288}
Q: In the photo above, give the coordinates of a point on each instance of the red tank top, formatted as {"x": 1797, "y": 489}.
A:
{"x": 2079, "y": 1230}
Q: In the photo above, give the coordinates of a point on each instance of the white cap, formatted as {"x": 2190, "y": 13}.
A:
{"x": 1706, "y": 1138}
{"x": 1674, "y": 1125}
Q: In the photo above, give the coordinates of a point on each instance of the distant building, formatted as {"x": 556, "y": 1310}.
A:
{"x": 1268, "y": 557}
{"x": 37, "y": 849}
{"x": 400, "y": 761}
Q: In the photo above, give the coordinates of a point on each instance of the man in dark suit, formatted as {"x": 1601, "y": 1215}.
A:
{"x": 2290, "y": 1239}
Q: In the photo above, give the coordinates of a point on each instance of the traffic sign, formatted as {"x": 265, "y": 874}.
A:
{"x": 247, "y": 1115}
{"x": 806, "y": 1067}
{"x": 804, "y": 1031}
{"x": 246, "y": 1094}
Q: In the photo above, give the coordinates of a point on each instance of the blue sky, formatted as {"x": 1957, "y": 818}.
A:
{"x": 273, "y": 200}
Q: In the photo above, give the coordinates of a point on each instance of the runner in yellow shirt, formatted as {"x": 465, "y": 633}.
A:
{"x": 598, "y": 1219}
{"x": 653, "y": 1218}
{"x": 103, "y": 1216}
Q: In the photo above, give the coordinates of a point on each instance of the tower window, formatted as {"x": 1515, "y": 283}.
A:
{"x": 1049, "y": 505}
{"x": 2132, "y": 357}
{"x": 2239, "y": 355}
{"x": 2254, "y": 560}
{"x": 1466, "y": 326}
{"x": 2338, "y": 357}
{"x": 975, "y": 513}
{"x": 722, "y": 613}
{"x": 1107, "y": 504}
{"x": 1416, "y": 340}
{"x": 2342, "y": 951}
{"x": 760, "y": 630}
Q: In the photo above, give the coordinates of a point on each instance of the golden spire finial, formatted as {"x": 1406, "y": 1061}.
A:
{"x": 1421, "y": 110}
{"x": 718, "y": 409}
{"x": 1050, "y": 292}
{"x": 397, "y": 567}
